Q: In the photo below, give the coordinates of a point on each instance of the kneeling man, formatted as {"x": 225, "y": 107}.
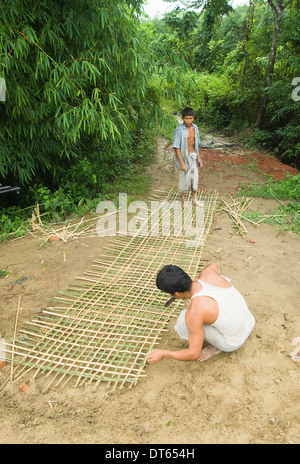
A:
{"x": 218, "y": 314}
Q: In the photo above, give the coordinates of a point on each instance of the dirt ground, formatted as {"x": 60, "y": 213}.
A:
{"x": 248, "y": 396}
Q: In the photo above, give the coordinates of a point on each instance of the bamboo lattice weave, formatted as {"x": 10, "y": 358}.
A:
{"x": 102, "y": 328}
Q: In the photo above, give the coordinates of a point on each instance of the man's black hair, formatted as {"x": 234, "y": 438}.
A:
{"x": 172, "y": 279}
{"x": 188, "y": 112}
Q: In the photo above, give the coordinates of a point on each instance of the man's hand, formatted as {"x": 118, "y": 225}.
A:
{"x": 184, "y": 168}
{"x": 155, "y": 356}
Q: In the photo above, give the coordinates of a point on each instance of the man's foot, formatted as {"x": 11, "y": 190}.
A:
{"x": 184, "y": 202}
{"x": 208, "y": 352}
{"x": 198, "y": 203}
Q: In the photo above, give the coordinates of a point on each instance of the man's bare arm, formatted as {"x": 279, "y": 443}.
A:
{"x": 182, "y": 164}
{"x": 210, "y": 266}
{"x": 200, "y": 159}
{"x": 196, "y": 338}
{"x": 187, "y": 354}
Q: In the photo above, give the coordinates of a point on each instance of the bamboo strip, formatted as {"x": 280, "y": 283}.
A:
{"x": 91, "y": 355}
{"x": 70, "y": 364}
{"x": 111, "y": 332}
{"x": 15, "y": 332}
{"x": 164, "y": 314}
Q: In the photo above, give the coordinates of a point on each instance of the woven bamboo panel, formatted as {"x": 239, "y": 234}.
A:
{"x": 102, "y": 328}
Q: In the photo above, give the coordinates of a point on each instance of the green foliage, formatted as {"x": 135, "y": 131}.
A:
{"x": 206, "y": 35}
{"x": 3, "y": 273}
{"x": 229, "y": 51}
{"x": 288, "y": 216}
{"x": 75, "y": 74}
{"x": 246, "y": 67}
{"x": 56, "y": 205}
{"x": 208, "y": 94}
{"x": 13, "y": 222}
{"x": 209, "y": 52}
{"x": 285, "y": 189}
{"x": 77, "y": 197}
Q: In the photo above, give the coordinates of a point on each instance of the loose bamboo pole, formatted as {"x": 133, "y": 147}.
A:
{"x": 15, "y": 332}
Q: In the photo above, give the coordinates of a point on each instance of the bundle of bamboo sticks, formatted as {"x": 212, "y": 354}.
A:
{"x": 72, "y": 230}
{"x": 236, "y": 212}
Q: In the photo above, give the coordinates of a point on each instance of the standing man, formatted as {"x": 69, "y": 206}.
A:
{"x": 187, "y": 154}
{"x": 218, "y": 314}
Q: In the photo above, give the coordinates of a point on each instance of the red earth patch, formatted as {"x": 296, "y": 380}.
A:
{"x": 265, "y": 163}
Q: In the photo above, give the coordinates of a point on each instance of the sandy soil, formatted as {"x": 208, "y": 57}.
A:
{"x": 249, "y": 396}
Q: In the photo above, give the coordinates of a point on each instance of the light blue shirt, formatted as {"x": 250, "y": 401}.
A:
{"x": 180, "y": 141}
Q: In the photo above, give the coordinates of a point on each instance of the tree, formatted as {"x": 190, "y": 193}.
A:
{"x": 76, "y": 73}
{"x": 278, "y": 7}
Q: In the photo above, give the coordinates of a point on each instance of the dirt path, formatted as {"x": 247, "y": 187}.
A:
{"x": 249, "y": 396}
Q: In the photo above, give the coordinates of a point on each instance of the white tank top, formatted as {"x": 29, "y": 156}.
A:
{"x": 234, "y": 321}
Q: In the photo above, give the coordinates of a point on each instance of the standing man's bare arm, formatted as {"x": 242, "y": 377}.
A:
{"x": 200, "y": 159}
{"x": 182, "y": 164}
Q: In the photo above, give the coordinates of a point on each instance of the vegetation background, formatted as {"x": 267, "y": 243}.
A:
{"x": 90, "y": 84}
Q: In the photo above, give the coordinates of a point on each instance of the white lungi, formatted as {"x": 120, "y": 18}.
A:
{"x": 189, "y": 180}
